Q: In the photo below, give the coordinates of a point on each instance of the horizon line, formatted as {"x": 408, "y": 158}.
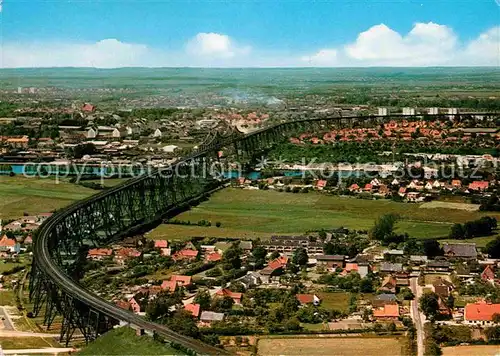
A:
{"x": 257, "y": 67}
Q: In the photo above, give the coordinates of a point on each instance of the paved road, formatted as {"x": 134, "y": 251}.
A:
{"x": 417, "y": 316}
{"x": 7, "y": 323}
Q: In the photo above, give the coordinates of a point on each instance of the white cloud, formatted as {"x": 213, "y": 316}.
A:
{"x": 426, "y": 44}
{"x": 324, "y": 57}
{"x": 214, "y": 45}
{"x": 108, "y": 53}
{"x": 485, "y": 50}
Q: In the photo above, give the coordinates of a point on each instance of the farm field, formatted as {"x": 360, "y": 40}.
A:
{"x": 124, "y": 341}
{"x": 256, "y": 213}
{"x": 329, "y": 346}
{"x": 476, "y": 350}
{"x": 34, "y": 195}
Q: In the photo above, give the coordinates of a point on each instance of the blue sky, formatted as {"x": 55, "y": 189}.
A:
{"x": 249, "y": 33}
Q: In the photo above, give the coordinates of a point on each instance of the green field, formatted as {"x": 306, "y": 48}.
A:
{"x": 34, "y": 195}
{"x": 257, "y": 213}
{"x": 124, "y": 341}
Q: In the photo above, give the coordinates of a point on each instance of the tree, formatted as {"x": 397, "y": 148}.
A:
{"x": 203, "y": 298}
{"x": 183, "y": 322}
{"x": 300, "y": 257}
{"x": 384, "y": 228}
{"x": 274, "y": 255}
{"x": 231, "y": 258}
{"x": 85, "y": 149}
{"x": 218, "y": 224}
{"x": 495, "y": 318}
{"x": 222, "y": 304}
{"x": 259, "y": 253}
{"x": 432, "y": 248}
{"x": 493, "y": 248}
{"x": 429, "y": 304}
{"x": 407, "y": 294}
{"x": 457, "y": 232}
{"x": 366, "y": 314}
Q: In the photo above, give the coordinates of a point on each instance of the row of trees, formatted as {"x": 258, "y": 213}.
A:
{"x": 481, "y": 227}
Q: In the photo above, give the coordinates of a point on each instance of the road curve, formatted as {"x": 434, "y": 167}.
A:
{"x": 71, "y": 287}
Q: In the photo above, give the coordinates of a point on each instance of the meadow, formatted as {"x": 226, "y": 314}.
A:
{"x": 257, "y": 213}
{"x": 34, "y": 195}
{"x": 124, "y": 341}
{"x": 329, "y": 346}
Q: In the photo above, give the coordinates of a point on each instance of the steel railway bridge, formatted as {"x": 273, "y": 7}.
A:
{"x": 140, "y": 203}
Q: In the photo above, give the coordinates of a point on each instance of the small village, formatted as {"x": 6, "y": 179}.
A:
{"x": 329, "y": 281}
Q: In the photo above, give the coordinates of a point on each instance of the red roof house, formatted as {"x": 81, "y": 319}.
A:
{"x": 387, "y": 312}
{"x": 280, "y": 262}
{"x": 193, "y": 309}
{"x": 186, "y": 254}
{"x": 213, "y": 257}
{"x": 161, "y": 244}
{"x": 99, "y": 253}
{"x": 320, "y": 184}
{"x": 308, "y": 299}
{"x": 488, "y": 274}
{"x": 479, "y": 185}
{"x": 88, "y": 107}
{"x": 480, "y": 313}
{"x": 226, "y": 292}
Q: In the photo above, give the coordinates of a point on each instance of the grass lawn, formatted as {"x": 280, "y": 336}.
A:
{"x": 27, "y": 343}
{"x": 476, "y": 350}
{"x": 479, "y": 241}
{"x": 111, "y": 182}
{"x": 124, "y": 341}
{"x": 7, "y": 266}
{"x": 337, "y": 300}
{"x": 431, "y": 278}
{"x": 7, "y": 297}
{"x": 257, "y": 213}
{"x": 328, "y": 346}
{"x": 35, "y": 195}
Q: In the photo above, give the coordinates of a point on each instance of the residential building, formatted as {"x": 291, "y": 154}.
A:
{"x": 480, "y": 313}
{"x": 382, "y": 299}
{"x": 438, "y": 266}
{"x": 250, "y": 280}
{"x": 460, "y": 250}
{"x": 488, "y": 274}
{"x": 388, "y": 285}
{"x": 305, "y": 299}
{"x": 99, "y": 253}
{"x": 193, "y": 308}
{"x": 9, "y": 245}
{"x": 386, "y": 312}
{"x": 161, "y": 243}
{"x": 186, "y": 254}
{"x": 236, "y": 297}
{"x": 388, "y": 267}
{"x": 331, "y": 261}
{"x": 208, "y": 317}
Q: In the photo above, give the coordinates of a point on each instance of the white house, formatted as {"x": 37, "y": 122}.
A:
{"x": 157, "y": 133}
{"x": 382, "y": 111}
{"x": 408, "y": 111}
{"x": 169, "y": 148}
{"x": 10, "y": 245}
{"x": 92, "y": 133}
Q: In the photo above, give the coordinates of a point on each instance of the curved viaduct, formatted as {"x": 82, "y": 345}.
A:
{"x": 138, "y": 204}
